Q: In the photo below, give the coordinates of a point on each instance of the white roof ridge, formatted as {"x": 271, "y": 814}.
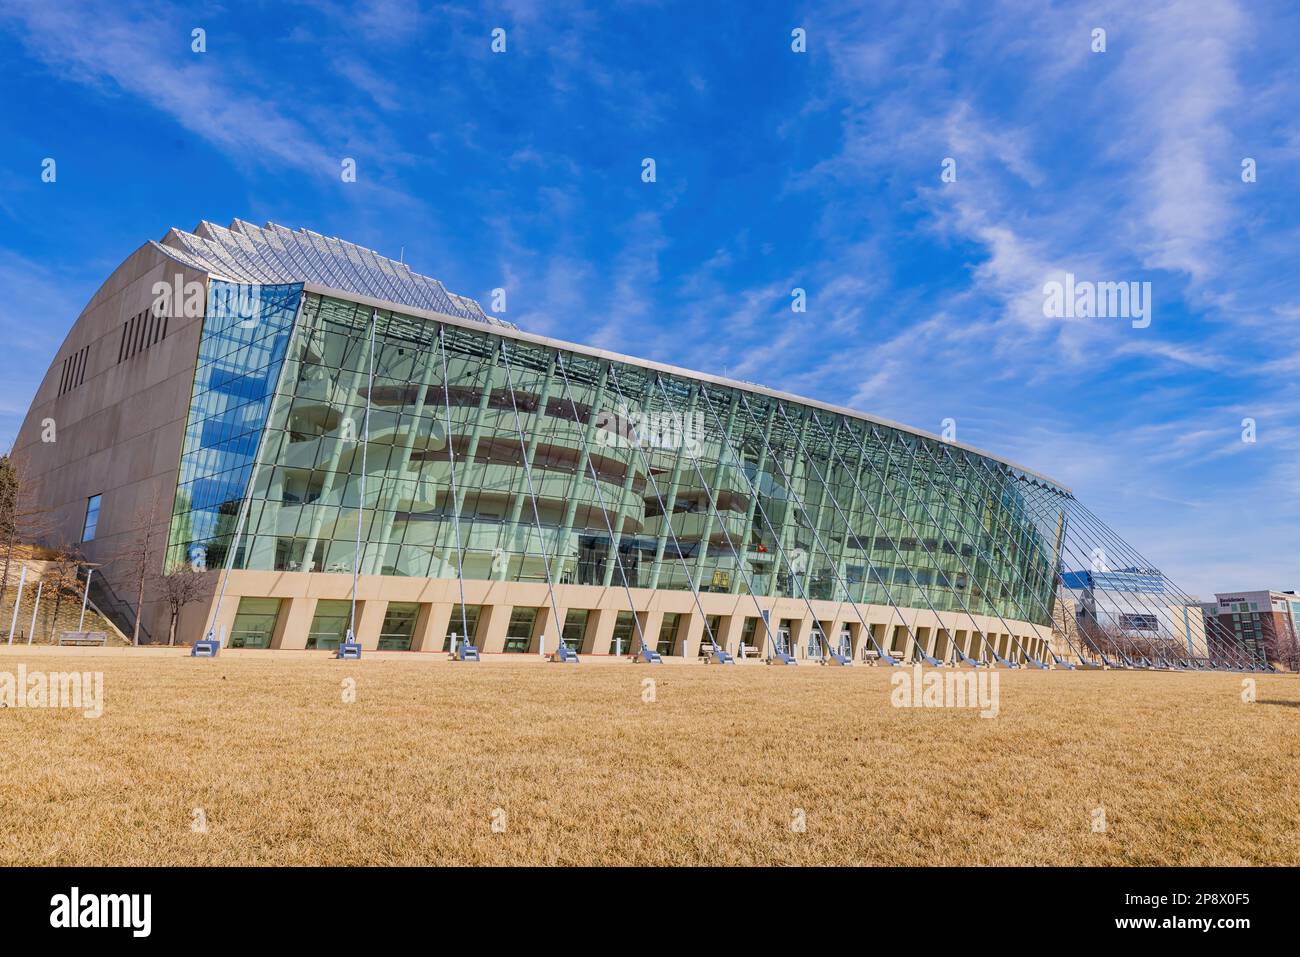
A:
{"x": 248, "y": 253}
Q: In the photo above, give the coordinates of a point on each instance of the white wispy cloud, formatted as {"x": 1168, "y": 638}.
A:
{"x": 116, "y": 54}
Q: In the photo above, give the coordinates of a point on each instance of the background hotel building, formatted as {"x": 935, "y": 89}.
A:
{"x": 514, "y": 485}
{"x": 1266, "y": 623}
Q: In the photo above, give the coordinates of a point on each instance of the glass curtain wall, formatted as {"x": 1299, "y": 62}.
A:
{"x": 246, "y": 333}
{"x": 663, "y": 474}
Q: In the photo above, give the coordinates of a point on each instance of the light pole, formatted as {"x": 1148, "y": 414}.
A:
{"x": 13, "y": 622}
{"x": 85, "y": 598}
{"x": 40, "y": 586}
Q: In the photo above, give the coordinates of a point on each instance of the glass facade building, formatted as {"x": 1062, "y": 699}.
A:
{"x": 349, "y": 447}
{"x": 499, "y": 456}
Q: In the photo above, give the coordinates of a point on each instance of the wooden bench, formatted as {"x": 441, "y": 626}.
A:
{"x": 83, "y": 638}
{"x": 748, "y": 651}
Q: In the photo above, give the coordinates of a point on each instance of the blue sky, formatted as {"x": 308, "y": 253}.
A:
{"x": 775, "y": 170}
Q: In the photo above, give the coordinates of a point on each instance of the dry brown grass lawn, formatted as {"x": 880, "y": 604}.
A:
{"x": 711, "y": 772}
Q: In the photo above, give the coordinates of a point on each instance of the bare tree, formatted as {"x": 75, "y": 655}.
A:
{"x": 181, "y": 585}
{"x": 137, "y": 556}
{"x": 9, "y": 489}
{"x": 61, "y": 578}
{"x": 22, "y": 518}
{"x": 1065, "y": 626}
{"x": 1282, "y": 648}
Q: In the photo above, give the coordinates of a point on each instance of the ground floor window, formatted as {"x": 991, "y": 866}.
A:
{"x": 749, "y": 635}
{"x": 254, "y": 623}
{"x": 712, "y": 632}
{"x": 398, "y": 629}
{"x": 520, "y": 630}
{"x": 899, "y": 643}
{"x": 575, "y": 626}
{"x": 330, "y": 625}
{"x": 668, "y": 632}
{"x": 624, "y": 632}
{"x": 458, "y": 623}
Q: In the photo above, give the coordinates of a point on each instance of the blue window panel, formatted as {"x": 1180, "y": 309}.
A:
{"x": 208, "y": 494}
{"x": 238, "y": 382}
{"x": 245, "y": 338}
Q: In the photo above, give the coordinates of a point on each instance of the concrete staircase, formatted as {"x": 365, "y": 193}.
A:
{"x": 48, "y": 628}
